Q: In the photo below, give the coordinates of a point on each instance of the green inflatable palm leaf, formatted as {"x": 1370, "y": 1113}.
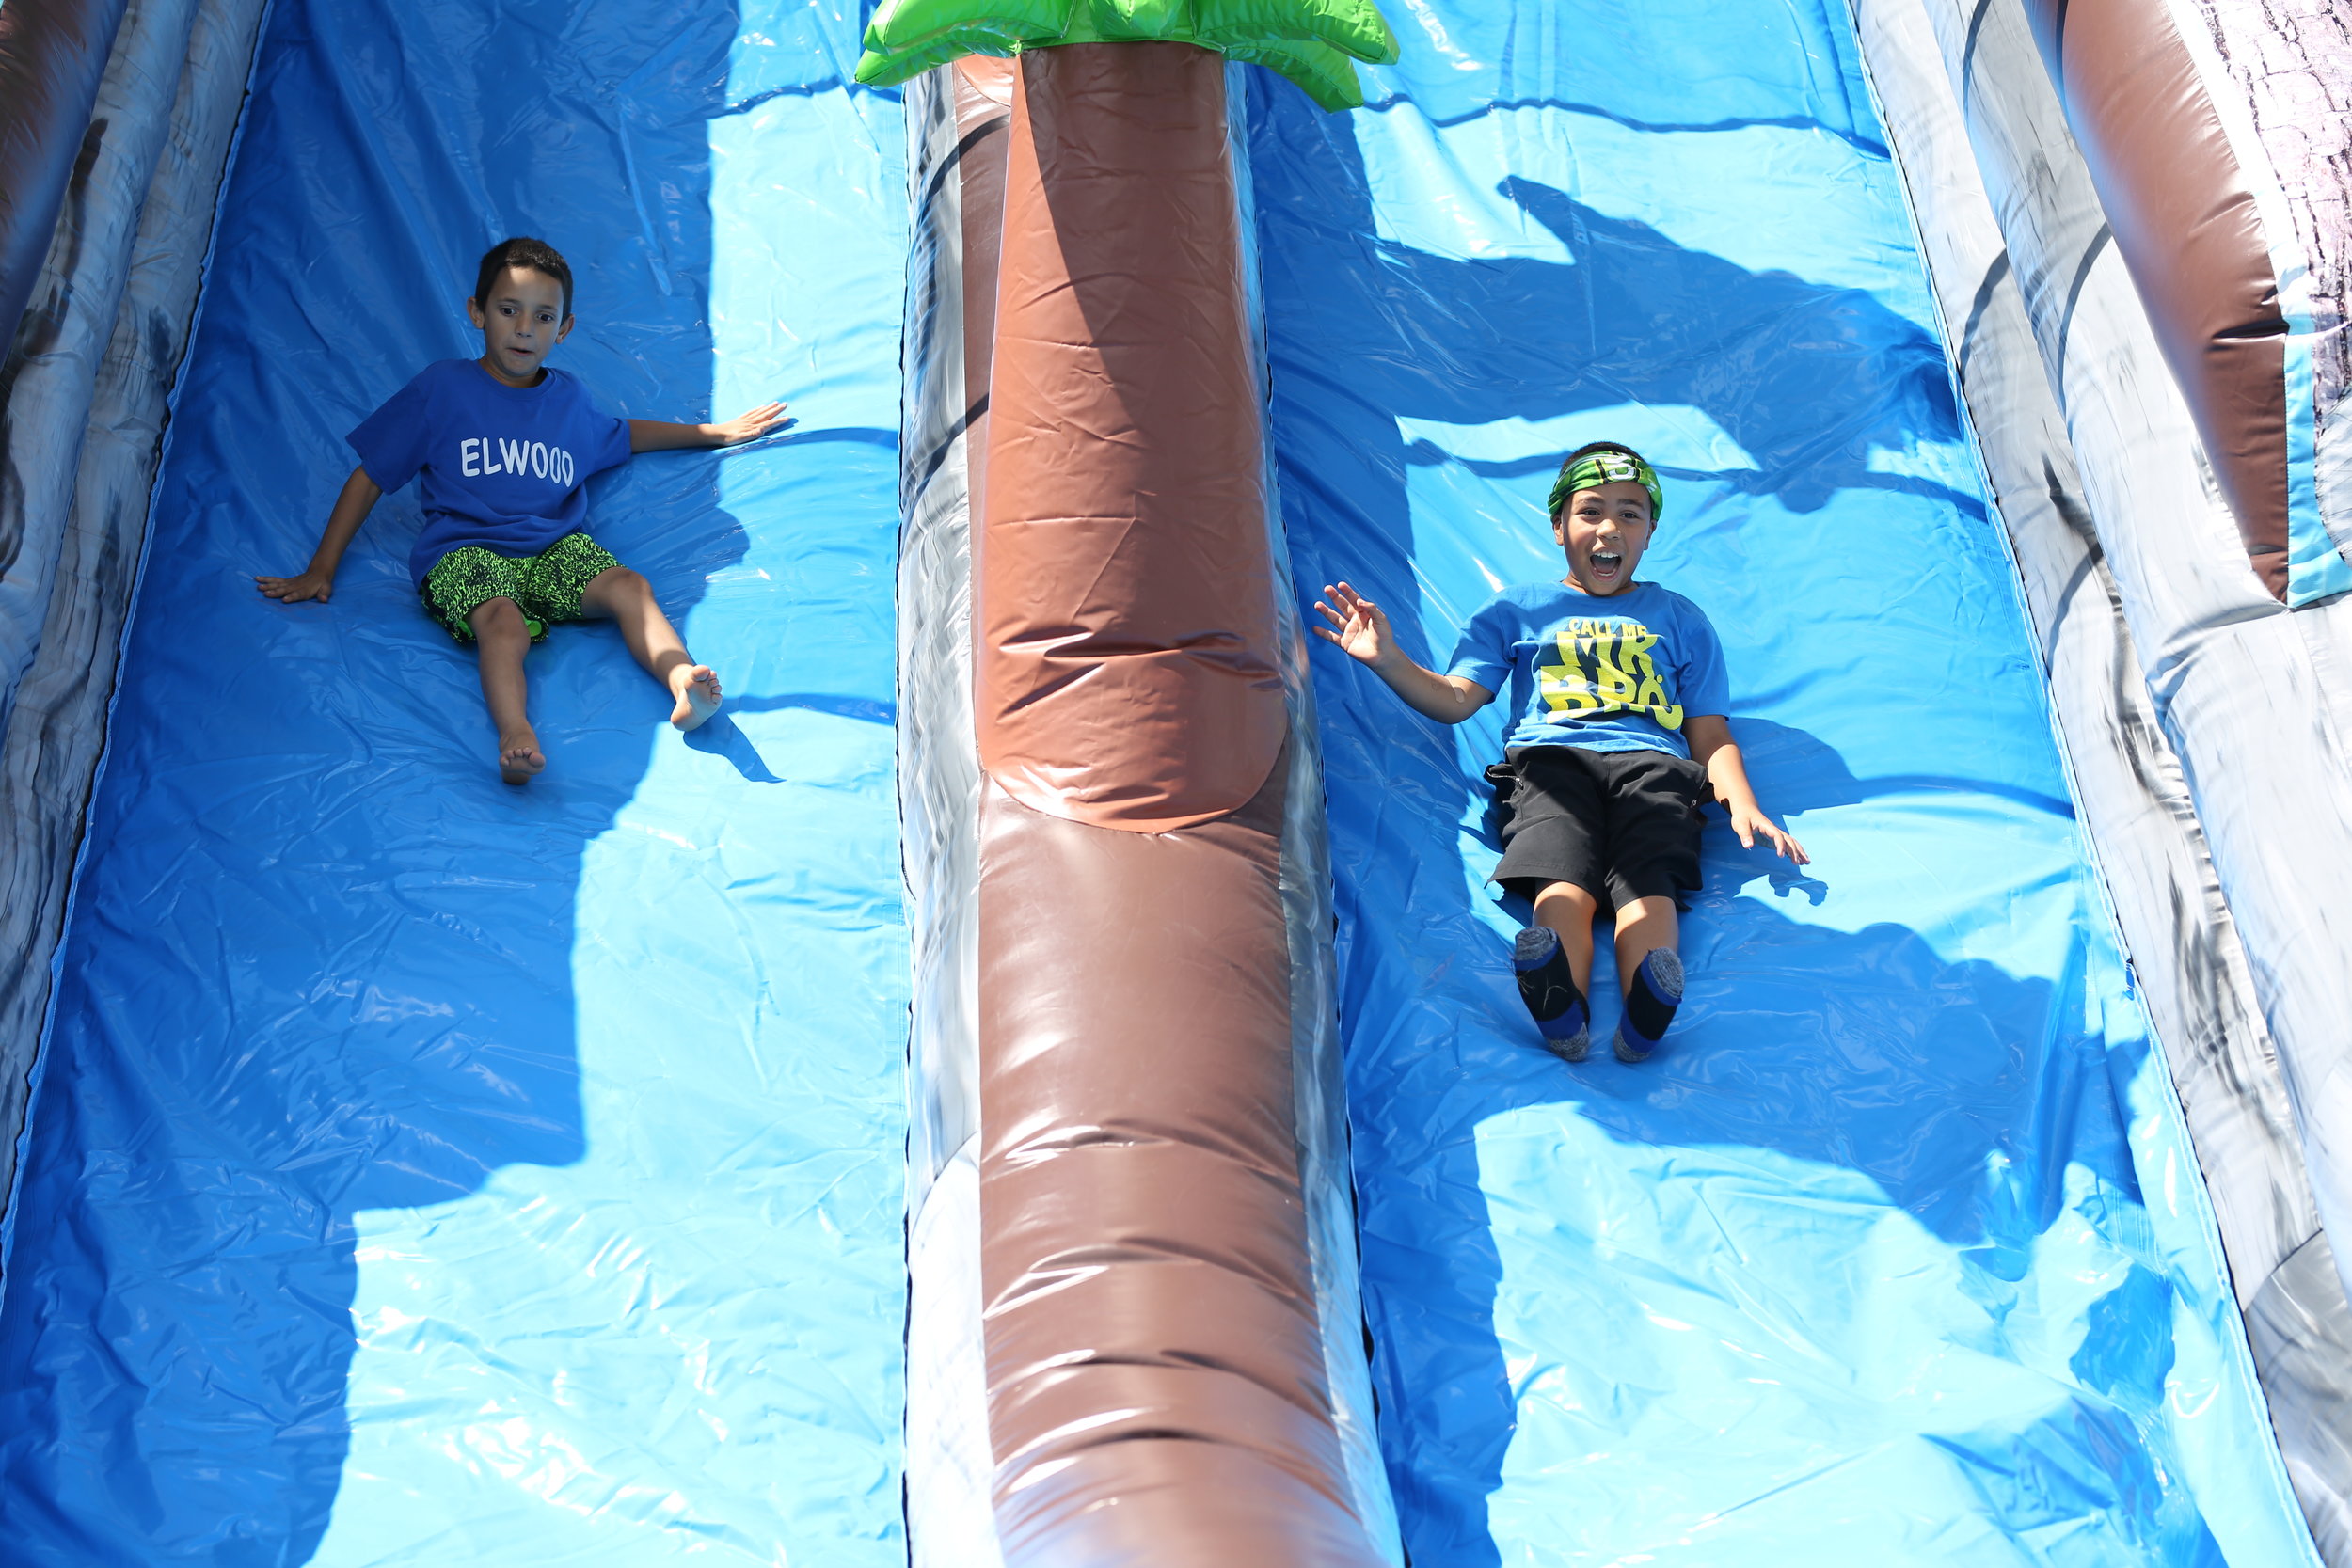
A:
{"x": 1313, "y": 42}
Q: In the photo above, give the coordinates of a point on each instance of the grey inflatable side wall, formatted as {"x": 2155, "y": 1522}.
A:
{"x": 89, "y": 379}
{"x": 952, "y": 1521}
{"x": 2200, "y": 716}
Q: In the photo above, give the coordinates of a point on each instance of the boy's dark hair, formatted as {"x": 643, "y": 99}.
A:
{"x": 529, "y": 254}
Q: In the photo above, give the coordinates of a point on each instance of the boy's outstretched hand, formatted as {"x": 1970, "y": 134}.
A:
{"x": 662, "y": 435}
{"x": 1359, "y": 627}
{"x": 750, "y": 426}
{"x": 1751, "y": 824}
{"x": 294, "y": 590}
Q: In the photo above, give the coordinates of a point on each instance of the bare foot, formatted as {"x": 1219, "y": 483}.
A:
{"x": 696, "y": 689}
{"x": 519, "y": 758}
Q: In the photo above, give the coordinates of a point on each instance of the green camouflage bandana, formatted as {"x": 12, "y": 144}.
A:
{"x": 1596, "y": 468}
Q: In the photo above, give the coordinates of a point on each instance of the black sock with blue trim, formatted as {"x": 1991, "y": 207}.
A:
{"x": 1650, "y": 1001}
{"x": 1549, "y": 991}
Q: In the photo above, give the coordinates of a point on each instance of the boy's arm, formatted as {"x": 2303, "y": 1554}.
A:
{"x": 1361, "y": 628}
{"x": 317, "y": 581}
{"x": 1712, "y": 748}
{"x": 661, "y": 435}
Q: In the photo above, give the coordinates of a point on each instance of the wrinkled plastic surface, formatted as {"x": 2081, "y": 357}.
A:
{"x": 1896, "y": 1252}
{"x": 424, "y": 1170}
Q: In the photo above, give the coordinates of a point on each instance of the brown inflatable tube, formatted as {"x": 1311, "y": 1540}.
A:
{"x": 1156, "y": 1390}
{"x": 52, "y": 55}
{"x": 2186, "y": 227}
{"x": 1126, "y": 609}
{"x": 1148, "y": 1320}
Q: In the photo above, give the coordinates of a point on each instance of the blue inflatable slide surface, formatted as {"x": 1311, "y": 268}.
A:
{"x": 427, "y": 1171}
{"x": 1898, "y": 1252}
{"x": 430, "y": 1171}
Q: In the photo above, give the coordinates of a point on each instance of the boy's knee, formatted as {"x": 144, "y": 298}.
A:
{"x": 498, "y": 618}
{"x": 619, "y": 579}
{"x": 1567, "y": 896}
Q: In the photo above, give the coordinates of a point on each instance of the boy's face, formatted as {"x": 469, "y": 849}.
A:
{"x": 521, "y": 321}
{"x": 1604, "y": 533}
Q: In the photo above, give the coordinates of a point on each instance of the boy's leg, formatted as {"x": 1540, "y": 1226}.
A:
{"x": 1551, "y": 858}
{"x": 1649, "y": 970}
{"x": 625, "y": 598}
{"x": 1553, "y": 960}
{"x": 502, "y": 636}
{"x": 1643, "y": 926}
{"x": 1569, "y": 909}
{"x": 1654, "y": 853}
{"x": 476, "y": 596}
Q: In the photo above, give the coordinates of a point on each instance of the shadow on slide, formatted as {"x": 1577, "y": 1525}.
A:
{"x": 1671, "y": 1310}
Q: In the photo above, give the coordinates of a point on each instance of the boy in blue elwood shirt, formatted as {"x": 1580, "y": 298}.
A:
{"x": 1618, "y": 693}
{"x": 500, "y": 447}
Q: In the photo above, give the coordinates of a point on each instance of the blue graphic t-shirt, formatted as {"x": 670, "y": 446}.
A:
{"x": 1613, "y": 673}
{"x": 501, "y": 467}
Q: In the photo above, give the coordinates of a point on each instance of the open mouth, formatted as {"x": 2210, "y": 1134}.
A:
{"x": 1605, "y": 562}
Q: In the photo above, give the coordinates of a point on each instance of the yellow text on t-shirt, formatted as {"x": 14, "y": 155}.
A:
{"x": 1605, "y": 666}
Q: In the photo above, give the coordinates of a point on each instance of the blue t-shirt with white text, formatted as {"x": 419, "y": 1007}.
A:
{"x": 501, "y": 466}
{"x": 1613, "y": 673}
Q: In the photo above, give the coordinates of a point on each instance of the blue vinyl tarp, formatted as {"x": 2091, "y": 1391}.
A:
{"x": 1898, "y": 1252}
{"x": 424, "y": 1170}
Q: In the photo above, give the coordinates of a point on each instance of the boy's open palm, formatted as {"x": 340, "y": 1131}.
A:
{"x": 750, "y": 426}
{"x": 1360, "y": 626}
{"x": 294, "y": 590}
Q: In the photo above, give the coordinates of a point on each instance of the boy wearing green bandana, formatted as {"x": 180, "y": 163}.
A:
{"x": 1617, "y": 694}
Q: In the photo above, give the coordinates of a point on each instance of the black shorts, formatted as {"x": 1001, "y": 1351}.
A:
{"x": 1620, "y": 824}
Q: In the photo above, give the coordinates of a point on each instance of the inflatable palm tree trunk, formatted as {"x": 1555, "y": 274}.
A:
{"x": 1156, "y": 1300}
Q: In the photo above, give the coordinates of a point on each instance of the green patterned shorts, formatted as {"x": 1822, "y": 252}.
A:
{"x": 546, "y": 587}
